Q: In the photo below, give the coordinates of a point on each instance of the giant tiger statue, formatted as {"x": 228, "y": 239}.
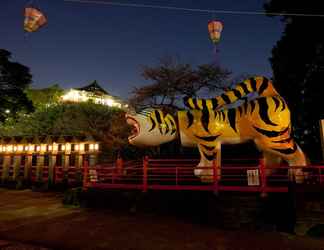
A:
{"x": 209, "y": 123}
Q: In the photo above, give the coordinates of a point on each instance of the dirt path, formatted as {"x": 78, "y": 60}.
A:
{"x": 39, "y": 218}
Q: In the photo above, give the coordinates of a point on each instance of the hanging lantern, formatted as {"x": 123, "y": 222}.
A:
{"x": 215, "y": 29}
{"x": 34, "y": 19}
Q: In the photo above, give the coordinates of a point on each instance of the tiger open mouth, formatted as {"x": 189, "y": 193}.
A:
{"x": 135, "y": 127}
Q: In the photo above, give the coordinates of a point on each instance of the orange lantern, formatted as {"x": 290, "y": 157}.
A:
{"x": 215, "y": 29}
{"x": 34, "y": 19}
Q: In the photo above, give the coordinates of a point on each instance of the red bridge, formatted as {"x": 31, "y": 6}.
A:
{"x": 176, "y": 174}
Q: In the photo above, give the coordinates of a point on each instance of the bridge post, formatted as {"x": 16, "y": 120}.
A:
{"x": 320, "y": 175}
{"x": 145, "y": 166}
{"x": 216, "y": 176}
{"x": 119, "y": 165}
{"x": 263, "y": 178}
{"x": 85, "y": 175}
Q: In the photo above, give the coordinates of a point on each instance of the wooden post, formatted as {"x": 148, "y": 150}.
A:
{"x": 51, "y": 168}
{"x": 263, "y": 178}
{"x": 92, "y": 159}
{"x": 322, "y": 135}
{"x": 28, "y": 166}
{"x": 320, "y": 175}
{"x": 145, "y": 167}
{"x": 66, "y": 161}
{"x": 39, "y": 167}
{"x": 85, "y": 175}
{"x": 119, "y": 165}
{"x": 215, "y": 175}
{"x": 5, "y": 167}
{"x": 16, "y": 167}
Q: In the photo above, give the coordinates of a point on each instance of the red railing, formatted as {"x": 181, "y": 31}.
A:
{"x": 178, "y": 174}
{"x": 243, "y": 175}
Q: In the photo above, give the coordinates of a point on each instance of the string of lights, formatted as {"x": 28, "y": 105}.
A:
{"x": 231, "y": 12}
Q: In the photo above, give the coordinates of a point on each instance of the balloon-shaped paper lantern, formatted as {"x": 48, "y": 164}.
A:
{"x": 215, "y": 29}
{"x": 34, "y": 19}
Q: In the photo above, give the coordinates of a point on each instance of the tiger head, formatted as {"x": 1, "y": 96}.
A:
{"x": 151, "y": 127}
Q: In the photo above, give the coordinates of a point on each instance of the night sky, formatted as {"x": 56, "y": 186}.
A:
{"x": 110, "y": 44}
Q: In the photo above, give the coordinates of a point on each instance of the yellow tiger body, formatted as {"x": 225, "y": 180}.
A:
{"x": 264, "y": 120}
{"x": 259, "y": 84}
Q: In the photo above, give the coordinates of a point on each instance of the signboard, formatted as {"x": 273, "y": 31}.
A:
{"x": 253, "y": 177}
{"x": 322, "y": 135}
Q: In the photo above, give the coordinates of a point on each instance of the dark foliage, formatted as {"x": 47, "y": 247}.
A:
{"x": 298, "y": 68}
{"x": 14, "y": 79}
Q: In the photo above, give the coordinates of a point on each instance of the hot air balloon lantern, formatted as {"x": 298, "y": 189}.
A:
{"x": 34, "y": 19}
{"x": 215, "y": 29}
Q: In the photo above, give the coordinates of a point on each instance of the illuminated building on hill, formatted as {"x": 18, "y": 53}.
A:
{"x": 95, "y": 93}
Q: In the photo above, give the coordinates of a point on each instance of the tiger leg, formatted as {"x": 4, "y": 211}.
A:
{"x": 296, "y": 161}
{"x": 208, "y": 154}
{"x": 271, "y": 161}
{"x": 290, "y": 152}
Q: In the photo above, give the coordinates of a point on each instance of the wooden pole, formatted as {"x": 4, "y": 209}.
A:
{"x": 216, "y": 177}
{"x": 322, "y": 136}
{"x": 5, "y": 167}
{"x": 145, "y": 167}
{"x": 16, "y": 167}
{"x": 85, "y": 175}
{"x": 263, "y": 177}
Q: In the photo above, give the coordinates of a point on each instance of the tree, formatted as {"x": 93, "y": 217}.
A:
{"x": 104, "y": 123}
{"x": 46, "y": 96}
{"x": 14, "y": 79}
{"x": 298, "y": 69}
{"x": 171, "y": 80}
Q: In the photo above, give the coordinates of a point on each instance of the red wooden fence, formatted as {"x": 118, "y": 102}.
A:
{"x": 178, "y": 174}
{"x": 243, "y": 175}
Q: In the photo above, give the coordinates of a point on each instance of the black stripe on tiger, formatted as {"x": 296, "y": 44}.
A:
{"x": 226, "y": 99}
{"x": 210, "y": 157}
{"x": 276, "y": 101}
{"x": 158, "y": 116}
{"x": 252, "y": 106}
{"x": 271, "y": 133}
{"x": 195, "y": 101}
{"x": 263, "y": 111}
{"x": 214, "y": 103}
{"x": 166, "y": 128}
{"x": 231, "y": 114}
{"x": 264, "y": 85}
{"x": 244, "y": 87}
{"x": 253, "y": 84}
{"x": 286, "y": 151}
{"x": 223, "y": 115}
{"x": 204, "y": 103}
{"x": 186, "y": 101}
{"x": 153, "y": 124}
{"x": 283, "y": 104}
{"x": 190, "y": 119}
{"x": 245, "y": 107}
{"x": 237, "y": 93}
{"x": 173, "y": 126}
{"x": 205, "y": 115}
{"x": 207, "y": 138}
{"x": 158, "y": 119}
